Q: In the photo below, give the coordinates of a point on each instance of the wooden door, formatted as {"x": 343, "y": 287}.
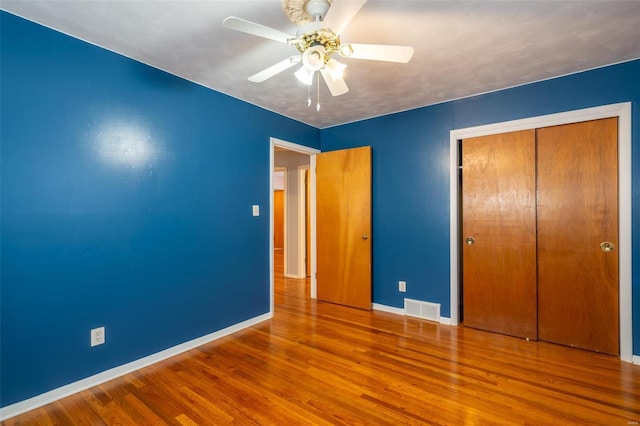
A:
{"x": 577, "y": 211}
{"x": 307, "y": 223}
{"x": 499, "y": 233}
{"x": 343, "y": 215}
{"x": 278, "y": 219}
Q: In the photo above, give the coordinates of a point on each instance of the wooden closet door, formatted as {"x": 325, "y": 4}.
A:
{"x": 577, "y": 211}
{"x": 499, "y": 264}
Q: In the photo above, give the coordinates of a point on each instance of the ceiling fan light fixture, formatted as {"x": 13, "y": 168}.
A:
{"x": 314, "y": 57}
{"x": 304, "y": 75}
{"x": 336, "y": 69}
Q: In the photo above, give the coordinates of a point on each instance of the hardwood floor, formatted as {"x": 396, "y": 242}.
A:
{"x": 317, "y": 363}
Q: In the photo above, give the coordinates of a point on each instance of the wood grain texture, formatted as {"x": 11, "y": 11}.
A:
{"x": 499, "y": 212}
{"x": 278, "y": 219}
{"x": 319, "y": 363}
{"x": 343, "y": 216}
{"x": 577, "y": 210}
{"x": 307, "y": 223}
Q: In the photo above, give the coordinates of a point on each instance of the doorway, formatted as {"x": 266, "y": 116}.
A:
{"x": 623, "y": 113}
{"x": 279, "y": 207}
{"x": 300, "y": 159}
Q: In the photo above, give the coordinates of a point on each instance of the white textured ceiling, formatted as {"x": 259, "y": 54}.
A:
{"x": 462, "y": 48}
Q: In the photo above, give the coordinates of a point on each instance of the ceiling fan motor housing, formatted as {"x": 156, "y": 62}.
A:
{"x": 303, "y": 11}
{"x": 317, "y": 9}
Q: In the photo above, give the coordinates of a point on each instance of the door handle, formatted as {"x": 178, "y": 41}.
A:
{"x": 607, "y": 247}
{"x": 470, "y": 241}
{"x": 365, "y": 236}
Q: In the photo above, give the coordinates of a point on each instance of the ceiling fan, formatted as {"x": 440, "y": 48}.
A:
{"x": 318, "y": 39}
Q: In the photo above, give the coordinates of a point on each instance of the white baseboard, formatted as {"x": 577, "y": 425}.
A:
{"x": 636, "y": 359}
{"x": 295, "y": 276}
{"x": 445, "y": 320}
{"x": 400, "y": 311}
{"x": 390, "y": 309}
{"x": 75, "y": 387}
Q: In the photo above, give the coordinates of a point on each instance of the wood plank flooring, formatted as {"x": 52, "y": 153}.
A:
{"x": 322, "y": 364}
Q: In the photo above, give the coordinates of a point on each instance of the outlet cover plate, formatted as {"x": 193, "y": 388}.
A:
{"x": 97, "y": 336}
{"x": 402, "y": 286}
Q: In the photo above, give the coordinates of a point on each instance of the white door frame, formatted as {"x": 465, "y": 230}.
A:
{"x": 302, "y": 220}
{"x": 312, "y": 205}
{"x": 623, "y": 112}
{"x": 284, "y": 212}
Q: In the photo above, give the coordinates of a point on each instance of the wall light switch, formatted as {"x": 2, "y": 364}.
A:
{"x": 256, "y": 210}
{"x": 402, "y": 286}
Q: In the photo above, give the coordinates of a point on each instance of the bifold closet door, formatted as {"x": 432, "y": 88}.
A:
{"x": 499, "y": 233}
{"x": 578, "y": 294}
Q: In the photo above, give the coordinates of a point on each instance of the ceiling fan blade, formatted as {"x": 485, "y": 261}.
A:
{"x": 259, "y": 30}
{"x": 336, "y": 87}
{"x": 267, "y": 73}
{"x": 381, "y": 52}
{"x": 340, "y": 13}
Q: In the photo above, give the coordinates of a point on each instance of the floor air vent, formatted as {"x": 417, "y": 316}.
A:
{"x": 420, "y": 309}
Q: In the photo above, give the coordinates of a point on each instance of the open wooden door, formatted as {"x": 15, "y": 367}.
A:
{"x": 499, "y": 231}
{"x": 343, "y": 223}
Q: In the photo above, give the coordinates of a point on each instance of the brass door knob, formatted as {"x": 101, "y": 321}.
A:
{"x": 607, "y": 247}
{"x": 470, "y": 241}
{"x": 365, "y": 236}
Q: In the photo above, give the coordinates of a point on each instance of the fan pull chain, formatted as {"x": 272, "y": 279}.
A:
{"x": 318, "y": 95}
{"x": 317, "y": 92}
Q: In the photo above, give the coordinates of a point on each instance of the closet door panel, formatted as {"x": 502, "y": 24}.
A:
{"x": 499, "y": 235}
{"x": 577, "y": 211}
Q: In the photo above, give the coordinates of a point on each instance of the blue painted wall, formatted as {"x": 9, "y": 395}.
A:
{"x": 411, "y": 174}
{"x": 126, "y": 203}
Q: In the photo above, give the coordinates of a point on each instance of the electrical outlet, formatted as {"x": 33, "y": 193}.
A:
{"x": 402, "y": 286}
{"x": 97, "y": 336}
